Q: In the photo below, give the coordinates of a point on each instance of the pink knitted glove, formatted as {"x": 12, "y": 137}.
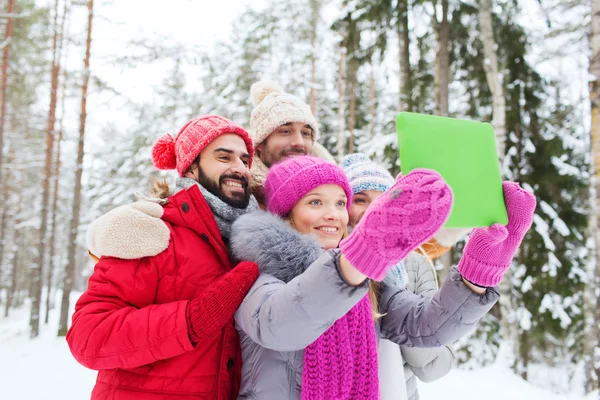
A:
{"x": 398, "y": 222}
{"x": 489, "y": 251}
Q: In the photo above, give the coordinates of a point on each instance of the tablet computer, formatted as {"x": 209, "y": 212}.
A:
{"x": 464, "y": 153}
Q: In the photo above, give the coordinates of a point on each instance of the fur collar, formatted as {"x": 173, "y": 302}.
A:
{"x": 277, "y": 248}
{"x": 258, "y": 171}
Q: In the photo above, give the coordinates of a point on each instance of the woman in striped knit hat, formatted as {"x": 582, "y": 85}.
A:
{"x": 399, "y": 366}
{"x": 310, "y": 324}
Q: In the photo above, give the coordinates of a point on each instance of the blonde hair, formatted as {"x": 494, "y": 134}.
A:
{"x": 374, "y": 289}
{"x": 423, "y": 252}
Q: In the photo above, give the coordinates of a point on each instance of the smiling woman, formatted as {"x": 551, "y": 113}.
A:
{"x": 322, "y": 212}
{"x": 307, "y": 325}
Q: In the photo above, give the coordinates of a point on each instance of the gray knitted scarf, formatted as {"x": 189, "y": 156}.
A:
{"x": 223, "y": 212}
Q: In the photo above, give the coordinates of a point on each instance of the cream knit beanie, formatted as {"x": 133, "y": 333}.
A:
{"x": 273, "y": 108}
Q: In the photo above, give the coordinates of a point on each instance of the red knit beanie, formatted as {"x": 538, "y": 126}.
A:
{"x": 179, "y": 153}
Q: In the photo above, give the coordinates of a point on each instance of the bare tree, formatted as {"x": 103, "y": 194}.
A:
{"x": 10, "y": 293}
{"x": 372, "y": 107}
{"x": 442, "y": 78}
{"x": 493, "y": 76}
{"x": 56, "y": 171}
{"x": 442, "y": 60}
{"x": 37, "y": 271}
{"x": 315, "y": 7}
{"x": 496, "y": 84}
{"x": 74, "y": 226}
{"x": 341, "y": 144}
{"x": 10, "y": 7}
{"x": 591, "y": 303}
{"x": 352, "y": 117}
{"x": 404, "y": 59}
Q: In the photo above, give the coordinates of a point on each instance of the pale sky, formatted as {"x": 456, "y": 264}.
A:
{"x": 198, "y": 23}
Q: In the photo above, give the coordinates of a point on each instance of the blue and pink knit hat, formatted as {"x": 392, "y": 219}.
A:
{"x": 288, "y": 181}
{"x": 364, "y": 174}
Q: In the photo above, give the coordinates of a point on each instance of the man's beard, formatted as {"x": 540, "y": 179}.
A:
{"x": 270, "y": 160}
{"x": 237, "y": 200}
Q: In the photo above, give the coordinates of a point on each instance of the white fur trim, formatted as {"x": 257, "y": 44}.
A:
{"x": 320, "y": 151}
{"x": 258, "y": 171}
{"x": 447, "y": 237}
{"x": 131, "y": 231}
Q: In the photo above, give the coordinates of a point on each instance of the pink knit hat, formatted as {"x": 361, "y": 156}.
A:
{"x": 288, "y": 181}
{"x": 179, "y": 153}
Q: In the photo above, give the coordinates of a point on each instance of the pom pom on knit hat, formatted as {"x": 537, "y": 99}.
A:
{"x": 274, "y": 108}
{"x": 364, "y": 174}
{"x": 262, "y": 89}
{"x": 290, "y": 180}
{"x": 163, "y": 152}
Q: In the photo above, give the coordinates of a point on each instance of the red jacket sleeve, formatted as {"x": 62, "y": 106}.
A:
{"x": 116, "y": 324}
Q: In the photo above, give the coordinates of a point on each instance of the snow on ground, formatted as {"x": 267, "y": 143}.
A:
{"x": 43, "y": 368}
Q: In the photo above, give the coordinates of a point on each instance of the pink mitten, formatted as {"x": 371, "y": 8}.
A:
{"x": 398, "y": 222}
{"x": 489, "y": 251}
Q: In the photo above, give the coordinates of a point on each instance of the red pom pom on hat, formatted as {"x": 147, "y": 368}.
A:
{"x": 163, "y": 152}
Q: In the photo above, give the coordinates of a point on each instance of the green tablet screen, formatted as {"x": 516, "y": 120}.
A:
{"x": 464, "y": 153}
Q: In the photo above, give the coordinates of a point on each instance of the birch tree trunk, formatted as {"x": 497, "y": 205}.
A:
{"x": 352, "y": 119}
{"x": 315, "y": 6}
{"x": 442, "y": 74}
{"x": 74, "y": 226}
{"x": 591, "y": 303}
{"x": 341, "y": 144}
{"x": 372, "y": 101}
{"x": 496, "y": 84}
{"x": 494, "y": 78}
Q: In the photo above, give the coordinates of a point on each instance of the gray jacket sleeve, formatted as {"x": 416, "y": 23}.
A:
{"x": 289, "y": 317}
{"x": 428, "y": 364}
{"x": 421, "y": 278}
{"x": 451, "y": 313}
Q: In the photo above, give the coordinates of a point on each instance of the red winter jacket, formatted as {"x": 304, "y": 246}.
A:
{"x": 130, "y": 324}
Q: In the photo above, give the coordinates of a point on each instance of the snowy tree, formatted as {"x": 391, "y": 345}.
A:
{"x": 26, "y": 76}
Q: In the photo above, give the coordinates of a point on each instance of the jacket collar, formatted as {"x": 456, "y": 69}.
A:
{"x": 188, "y": 208}
{"x": 276, "y": 247}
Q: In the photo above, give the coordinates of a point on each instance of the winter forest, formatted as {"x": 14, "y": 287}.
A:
{"x": 87, "y": 87}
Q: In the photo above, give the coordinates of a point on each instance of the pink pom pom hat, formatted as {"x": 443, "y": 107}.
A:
{"x": 288, "y": 181}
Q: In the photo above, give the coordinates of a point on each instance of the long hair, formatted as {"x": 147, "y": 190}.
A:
{"x": 159, "y": 188}
{"x": 374, "y": 288}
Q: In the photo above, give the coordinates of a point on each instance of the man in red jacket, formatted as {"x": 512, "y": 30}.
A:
{"x": 157, "y": 323}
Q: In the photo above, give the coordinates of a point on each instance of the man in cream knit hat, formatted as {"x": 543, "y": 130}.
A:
{"x": 281, "y": 126}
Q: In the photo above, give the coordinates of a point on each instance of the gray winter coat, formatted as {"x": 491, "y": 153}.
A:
{"x": 425, "y": 364}
{"x": 300, "y": 293}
